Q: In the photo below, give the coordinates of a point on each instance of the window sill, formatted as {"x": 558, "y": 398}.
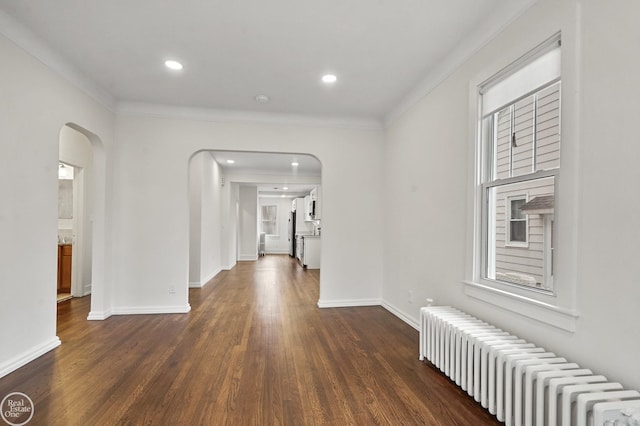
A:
{"x": 556, "y": 316}
{"x": 514, "y": 244}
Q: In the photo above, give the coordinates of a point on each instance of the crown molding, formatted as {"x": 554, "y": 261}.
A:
{"x": 230, "y": 116}
{"x": 38, "y": 48}
{"x": 465, "y": 50}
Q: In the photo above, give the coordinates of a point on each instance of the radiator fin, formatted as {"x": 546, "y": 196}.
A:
{"x": 518, "y": 382}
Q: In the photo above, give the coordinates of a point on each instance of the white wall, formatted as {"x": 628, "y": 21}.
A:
{"x": 35, "y": 105}
{"x": 151, "y": 194}
{"x": 205, "y": 224}
{"x": 248, "y": 223}
{"x": 75, "y": 149}
{"x": 278, "y": 243}
{"x": 429, "y": 150}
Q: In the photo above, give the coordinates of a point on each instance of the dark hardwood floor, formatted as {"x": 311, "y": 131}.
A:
{"x": 254, "y": 350}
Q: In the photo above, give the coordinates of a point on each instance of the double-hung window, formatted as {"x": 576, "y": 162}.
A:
{"x": 519, "y": 146}
{"x": 269, "y": 216}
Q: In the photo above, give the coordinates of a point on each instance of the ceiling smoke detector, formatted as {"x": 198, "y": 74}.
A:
{"x": 262, "y": 99}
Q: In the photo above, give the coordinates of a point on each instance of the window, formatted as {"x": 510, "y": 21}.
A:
{"x": 520, "y": 165}
{"x": 269, "y": 216}
{"x": 517, "y": 231}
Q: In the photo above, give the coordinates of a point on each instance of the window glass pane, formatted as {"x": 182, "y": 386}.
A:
{"x": 548, "y": 128}
{"x": 516, "y": 205}
{"x": 268, "y": 216}
{"x": 522, "y": 137}
{"x": 519, "y": 232}
{"x": 502, "y": 143}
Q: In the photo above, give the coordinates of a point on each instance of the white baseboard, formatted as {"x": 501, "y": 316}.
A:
{"x": 248, "y": 257}
{"x": 206, "y": 280}
{"x": 348, "y": 303}
{"x": 28, "y": 356}
{"x": 99, "y": 315}
{"x": 397, "y": 312}
{"x": 143, "y": 310}
{"x": 229, "y": 267}
{"x": 87, "y": 289}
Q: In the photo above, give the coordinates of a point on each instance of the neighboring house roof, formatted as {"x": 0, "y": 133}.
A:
{"x": 539, "y": 205}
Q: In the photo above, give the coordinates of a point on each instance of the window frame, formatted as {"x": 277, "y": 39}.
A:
{"x": 556, "y": 309}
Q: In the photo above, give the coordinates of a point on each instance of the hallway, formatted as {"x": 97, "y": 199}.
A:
{"x": 255, "y": 349}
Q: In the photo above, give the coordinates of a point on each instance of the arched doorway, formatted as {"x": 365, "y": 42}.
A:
{"x": 84, "y": 150}
{"x": 215, "y": 180}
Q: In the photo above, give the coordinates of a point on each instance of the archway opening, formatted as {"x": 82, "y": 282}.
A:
{"x": 83, "y": 232}
{"x": 229, "y": 191}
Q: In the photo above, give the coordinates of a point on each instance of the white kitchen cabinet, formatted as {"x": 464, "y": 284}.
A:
{"x": 316, "y": 199}
{"x": 297, "y": 205}
{"x": 308, "y": 208}
{"x": 311, "y": 252}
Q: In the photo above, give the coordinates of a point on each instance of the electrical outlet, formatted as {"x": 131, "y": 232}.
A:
{"x": 172, "y": 289}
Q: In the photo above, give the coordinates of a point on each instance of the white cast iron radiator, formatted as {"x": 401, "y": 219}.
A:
{"x": 518, "y": 382}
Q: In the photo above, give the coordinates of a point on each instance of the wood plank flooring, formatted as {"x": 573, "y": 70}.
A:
{"x": 254, "y": 350}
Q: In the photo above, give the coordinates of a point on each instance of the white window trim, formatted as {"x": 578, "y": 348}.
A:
{"x": 556, "y": 309}
{"x": 507, "y": 203}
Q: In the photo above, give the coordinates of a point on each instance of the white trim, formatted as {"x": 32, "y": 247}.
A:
{"x": 547, "y": 313}
{"x": 28, "y": 356}
{"x": 143, "y": 310}
{"x": 202, "y": 283}
{"x": 229, "y": 267}
{"x": 99, "y": 315}
{"x": 230, "y": 116}
{"x": 413, "y": 322}
{"x": 346, "y": 303}
{"x": 248, "y": 258}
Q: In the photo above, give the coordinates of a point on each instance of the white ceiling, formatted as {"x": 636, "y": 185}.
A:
{"x": 385, "y": 54}
{"x": 232, "y": 50}
{"x": 256, "y": 168}
{"x": 268, "y": 163}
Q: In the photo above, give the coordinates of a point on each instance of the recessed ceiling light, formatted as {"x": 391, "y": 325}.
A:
{"x": 230, "y": 161}
{"x": 294, "y": 164}
{"x": 262, "y": 99}
{"x": 285, "y": 188}
{"x": 329, "y": 78}
{"x": 173, "y": 65}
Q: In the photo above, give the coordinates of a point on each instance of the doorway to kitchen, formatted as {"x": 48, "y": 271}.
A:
{"x": 227, "y": 193}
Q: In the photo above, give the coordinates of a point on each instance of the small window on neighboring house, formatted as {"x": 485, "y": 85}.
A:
{"x": 269, "y": 216}
{"x": 517, "y": 229}
{"x": 520, "y": 161}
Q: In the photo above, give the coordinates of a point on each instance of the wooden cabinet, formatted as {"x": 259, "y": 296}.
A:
{"x": 65, "y": 252}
